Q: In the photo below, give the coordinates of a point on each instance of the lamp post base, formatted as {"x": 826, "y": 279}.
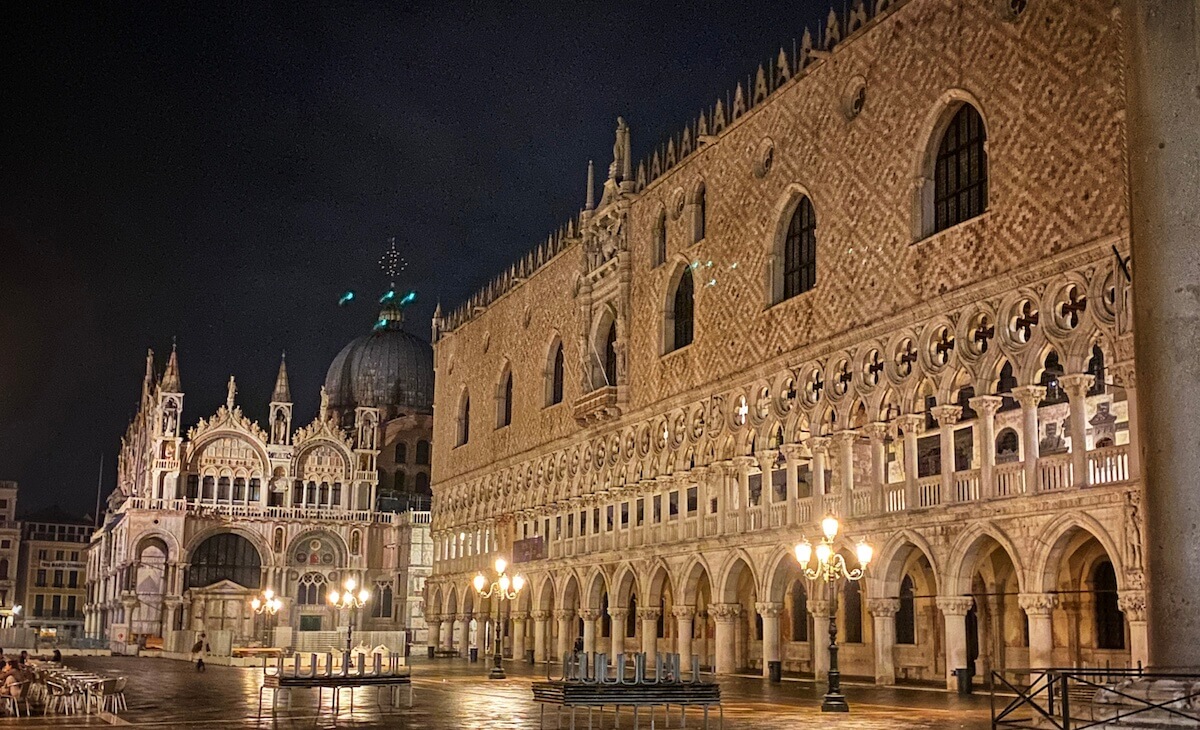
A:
{"x": 834, "y": 702}
{"x": 497, "y": 672}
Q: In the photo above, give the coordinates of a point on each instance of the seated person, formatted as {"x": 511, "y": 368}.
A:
{"x": 56, "y": 657}
{"x": 24, "y": 657}
{"x": 13, "y": 677}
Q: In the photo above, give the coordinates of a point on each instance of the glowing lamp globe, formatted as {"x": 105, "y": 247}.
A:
{"x": 351, "y": 584}
{"x": 364, "y": 595}
{"x": 269, "y": 594}
{"x": 500, "y": 565}
{"x": 479, "y": 582}
{"x": 334, "y": 596}
{"x": 504, "y": 583}
{"x": 823, "y": 553}
{"x": 804, "y": 553}
{"x": 829, "y": 526}
{"x": 255, "y": 604}
{"x": 518, "y": 583}
{"x": 865, "y": 553}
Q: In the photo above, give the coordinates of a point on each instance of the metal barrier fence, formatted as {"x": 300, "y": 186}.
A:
{"x": 1077, "y": 699}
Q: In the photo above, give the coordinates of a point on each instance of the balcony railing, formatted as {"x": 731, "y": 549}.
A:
{"x": 254, "y": 511}
{"x": 929, "y": 491}
{"x": 1010, "y": 479}
{"x": 1054, "y": 473}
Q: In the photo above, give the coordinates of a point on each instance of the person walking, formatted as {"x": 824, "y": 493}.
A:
{"x": 199, "y": 649}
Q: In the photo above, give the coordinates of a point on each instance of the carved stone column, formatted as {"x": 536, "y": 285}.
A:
{"x": 770, "y": 642}
{"x": 877, "y": 432}
{"x": 433, "y": 621}
{"x": 954, "y": 610}
{"x": 518, "y": 635}
{"x": 726, "y": 616}
{"x": 843, "y": 442}
{"x": 589, "y": 616}
{"x": 463, "y": 623}
{"x": 883, "y": 610}
{"x": 1029, "y": 396}
{"x": 617, "y": 617}
{"x": 566, "y": 636}
{"x": 947, "y": 416}
{"x": 766, "y": 464}
{"x": 793, "y": 454}
{"x": 986, "y": 406}
{"x": 1039, "y": 607}
{"x": 648, "y": 615}
{"x": 541, "y": 622}
{"x": 910, "y": 426}
{"x": 820, "y": 608}
{"x": 819, "y": 445}
{"x": 723, "y": 470}
{"x": 1077, "y": 386}
{"x": 684, "y": 615}
{"x": 1133, "y": 605}
{"x": 742, "y": 465}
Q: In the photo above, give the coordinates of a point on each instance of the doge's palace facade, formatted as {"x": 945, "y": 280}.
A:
{"x": 888, "y": 281}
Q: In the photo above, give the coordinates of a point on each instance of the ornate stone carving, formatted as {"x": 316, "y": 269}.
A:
{"x": 1132, "y": 604}
{"x": 955, "y": 605}
{"x": 724, "y": 612}
{"x": 589, "y": 614}
{"x": 768, "y": 609}
{"x": 539, "y": 615}
{"x": 564, "y": 614}
{"x": 683, "y": 611}
{"x": 885, "y": 607}
{"x": 1037, "y": 604}
{"x": 1029, "y": 395}
{"x": 648, "y": 613}
{"x": 947, "y": 415}
{"x": 1133, "y": 529}
{"x": 819, "y": 607}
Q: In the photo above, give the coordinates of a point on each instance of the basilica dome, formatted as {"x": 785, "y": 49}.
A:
{"x": 389, "y": 368}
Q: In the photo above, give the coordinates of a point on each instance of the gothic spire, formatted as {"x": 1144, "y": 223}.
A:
{"x": 148, "y": 379}
{"x": 283, "y": 392}
{"x": 170, "y": 381}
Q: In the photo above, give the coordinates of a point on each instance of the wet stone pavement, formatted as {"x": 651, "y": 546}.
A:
{"x": 452, "y": 693}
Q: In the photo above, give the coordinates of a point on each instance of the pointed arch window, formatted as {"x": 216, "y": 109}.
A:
{"x": 554, "y": 378}
{"x": 679, "y": 319}
{"x": 906, "y": 615}
{"x": 799, "y": 612}
{"x": 1095, "y": 368}
{"x": 504, "y": 394}
{"x": 464, "y": 420}
{"x": 960, "y": 174}
{"x": 701, "y": 208}
{"x": 800, "y": 251}
{"x": 609, "y": 354}
{"x": 660, "y": 239}
{"x": 422, "y": 484}
{"x": 852, "y": 613}
{"x": 401, "y": 453}
{"x": 423, "y": 453}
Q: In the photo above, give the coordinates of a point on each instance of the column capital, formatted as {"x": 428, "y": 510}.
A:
{"x": 539, "y": 615}
{"x": 699, "y": 473}
{"x": 1029, "y": 395}
{"x": 819, "y": 444}
{"x": 743, "y": 463}
{"x": 793, "y": 452}
{"x": 955, "y": 605}
{"x": 683, "y": 611}
{"x": 618, "y": 614}
{"x": 1124, "y": 374}
{"x": 463, "y": 618}
{"x": 986, "y": 405}
{"x": 819, "y": 607}
{"x": 724, "y": 612}
{"x": 648, "y": 613}
{"x": 433, "y": 618}
{"x": 1077, "y": 384}
{"x": 876, "y": 431}
{"x": 946, "y": 414}
{"x": 589, "y": 614}
{"x": 768, "y": 609}
{"x": 564, "y": 614}
{"x": 911, "y": 423}
{"x": 766, "y": 458}
{"x": 1037, "y": 604}
{"x": 884, "y": 607}
{"x": 520, "y": 615}
{"x": 844, "y": 438}
{"x": 1132, "y": 604}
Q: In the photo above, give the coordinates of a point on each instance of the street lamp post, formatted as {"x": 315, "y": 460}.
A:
{"x": 505, "y": 589}
{"x": 266, "y": 605}
{"x": 831, "y": 569}
{"x": 350, "y": 601}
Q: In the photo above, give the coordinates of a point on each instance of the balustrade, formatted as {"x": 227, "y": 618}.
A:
{"x": 893, "y": 497}
{"x": 929, "y": 491}
{"x": 1010, "y": 479}
{"x": 1054, "y": 473}
{"x": 862, "y": 502}
{"x": 1109, "y": 465}
{"x": 966, "y": 485}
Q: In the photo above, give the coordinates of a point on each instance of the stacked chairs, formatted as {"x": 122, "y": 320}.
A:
{"x": 62, "y": 697}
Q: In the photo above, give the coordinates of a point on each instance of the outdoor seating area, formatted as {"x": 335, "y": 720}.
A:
{"x": 336, "y": 671}
{"x": 598, "y": 685}
{"x": 54, "y": 688}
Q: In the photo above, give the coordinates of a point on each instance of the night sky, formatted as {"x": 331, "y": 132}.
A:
{"x": 222, "y": 174}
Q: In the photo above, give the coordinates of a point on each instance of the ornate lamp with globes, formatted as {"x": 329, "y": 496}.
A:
{"x": 505, "y": 589}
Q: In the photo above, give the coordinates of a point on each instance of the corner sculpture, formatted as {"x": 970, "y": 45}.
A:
{"x": 597, "y": 684}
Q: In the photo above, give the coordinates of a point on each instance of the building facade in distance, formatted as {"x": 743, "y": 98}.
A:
{"x": 202, "y": 521}
{"x": 52, "y": 574}
{"x": 10, "y": 547}
{"x": 887, "y": 281}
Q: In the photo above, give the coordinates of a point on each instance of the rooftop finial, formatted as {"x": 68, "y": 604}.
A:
{"x": 171, "y": 382}
{"x": 231, "y": 393}
{"x": 283, "y": 391}
{"x": 591, "y": 187}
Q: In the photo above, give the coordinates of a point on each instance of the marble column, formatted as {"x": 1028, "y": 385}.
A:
{"x": 617, "y": 617}
{"x": 541, "y": 621}
{"x": 1039, "y": 607}
{"x": 947, "y": 416}
{"x": 820, "y": 608}
{"x": 910, "y": 426}
{"x": 1163, "y": 57}
{"x": 766, "y": 464}
{"x": 723, "y": 472}
{"x": 1077, "y": 386}
{"x": 883, "y": 611}
{"x": 742, "y": 465}
{"x": 793, "y": 454}
{"x": 1029, "y": 396}
{"x": 589, "y": 616}
{"x": 463, "y": 624}
{"x": 434, "y": 622}
{"x": 518, "y": 635}
{"x": 843, "y": 442}
{"x": 1133, "y": 604}
{"x": 819, "y": 445}
{"x": 770, "y": 642}
{"x": 566, "y": 634}
{"x": 648, "y": 615}
{"x": 954, "y": 610}
{"x": 726, "y": 616}
{"x": 986, "y": 406}
{"x": 877, "y": 432}
{"x": 684, "y": 615}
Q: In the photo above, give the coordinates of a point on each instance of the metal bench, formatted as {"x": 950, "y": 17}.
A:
{"x": 391, "y": 675}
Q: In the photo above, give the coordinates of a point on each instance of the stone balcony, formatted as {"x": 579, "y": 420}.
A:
{"x": 260, "y": 512}
{"x": 596, "y": 407}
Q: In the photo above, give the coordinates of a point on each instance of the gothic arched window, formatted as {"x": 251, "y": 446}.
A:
{"x": 401, "y": 453}
{"x": 799, "y": 612}
{"x": 464, "y": 419}
{"x": 660, "y": 239}
{"x": 852, "y": 613}
{"x": 423, "y": 483}
{"x": 226, "y": 556}
{"x": 1110, "y": 622}
{"x": 701, "y": 211}
{"x": 960, "y": 171}
{"x": 554, "y": 389}
{"x": 504, "y": 394}
{"x": 381, "y": 601}
{"x": 679, "y": 320}
{"x": 1095, "y": 368}
{"x": 610, "y": 354}
{"x": 906, "y": 615}
{"x": 800, "y": 251}
{"x": 1052, "y": 372}
{"x": 423, "y": 452}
